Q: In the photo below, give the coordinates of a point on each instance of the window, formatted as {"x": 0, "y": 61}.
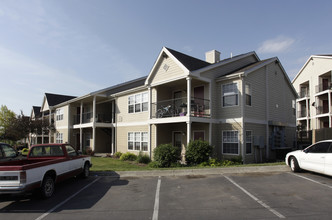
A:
{"x": 138, "y": 103}
{"x": 8, "y": 151}
{"x": 230, "y": 142}
{"x": 322, "y": 147}
{"x": 138, "y": 141}
{"x": 71, "y": 151}
{"x": 59, "y": 114}
{"x": 230, "y": 95}
{"x": 248, "y": 142}
{"x": 248, "y": 94}
{"x": 59, "y": 138}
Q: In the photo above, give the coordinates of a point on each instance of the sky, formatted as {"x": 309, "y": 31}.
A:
{"x": 74, "y": 47}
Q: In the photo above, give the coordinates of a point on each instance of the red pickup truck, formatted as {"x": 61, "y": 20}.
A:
{"x": 45, "y": 165}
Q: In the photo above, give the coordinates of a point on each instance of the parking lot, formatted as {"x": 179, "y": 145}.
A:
{"x": 274, "y": 195}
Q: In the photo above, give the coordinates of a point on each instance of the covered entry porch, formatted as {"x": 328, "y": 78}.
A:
{"x": 177, "y": 134}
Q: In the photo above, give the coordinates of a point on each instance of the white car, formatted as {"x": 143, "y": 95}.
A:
{"x": 316, "y": 158}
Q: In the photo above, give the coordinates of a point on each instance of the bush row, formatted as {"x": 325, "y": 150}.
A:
{"x": 198, "y": 152}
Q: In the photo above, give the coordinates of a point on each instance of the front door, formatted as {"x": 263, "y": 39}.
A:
{"x": 199, "y": 95}
{"x": 177, "y": 139}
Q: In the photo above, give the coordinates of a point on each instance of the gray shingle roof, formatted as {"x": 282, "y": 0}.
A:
{"x": 54, "y": 99}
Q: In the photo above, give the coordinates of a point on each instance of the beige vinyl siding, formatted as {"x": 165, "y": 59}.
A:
{"x": 122, "y": 110}
{"x": 122, "y": 137}
{"x": 65, "y": 137}
{"x": 280, "y": 96}
{"x": 161, "y": 75}
{"x": 66, "y": 117}
{"x": 257, "y": 82}
{"x": 228, "y": 111}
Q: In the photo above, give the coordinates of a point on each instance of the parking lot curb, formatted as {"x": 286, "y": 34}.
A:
{"x": 193, "y": 172}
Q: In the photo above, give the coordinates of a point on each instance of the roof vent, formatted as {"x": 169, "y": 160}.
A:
{"x": 212, "y": 56}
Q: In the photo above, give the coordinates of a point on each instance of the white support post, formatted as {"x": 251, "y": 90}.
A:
{"x": 189, "y": 96}
{"x": 188, "y": 131}
{"x": 94, "y": 124}
{"x": 329, "y": 103}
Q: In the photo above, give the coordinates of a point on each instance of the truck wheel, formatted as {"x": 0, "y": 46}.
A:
{"x": 47, "y": 187}
{"x": 86, "y": 170}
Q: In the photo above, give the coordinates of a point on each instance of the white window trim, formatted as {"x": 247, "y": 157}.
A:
{"x": 59, "y": 114}
{"x": 140, "y": 141}
{"x": 59, "y": 138}
{"x": 222, "y": 142}
{"x": 141, "y": 103}
{"x": 249, "y": 142}
{"x": 222, "y": 95}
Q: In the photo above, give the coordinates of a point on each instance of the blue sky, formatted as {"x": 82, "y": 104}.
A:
{"x": 75, "y": 47}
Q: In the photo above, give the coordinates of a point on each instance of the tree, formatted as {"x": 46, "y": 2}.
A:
{"x": 6, "y": 119}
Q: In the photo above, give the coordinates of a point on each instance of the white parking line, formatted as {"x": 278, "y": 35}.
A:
{"x": 314, "y": 181}
{"x": 255, "y": 198}
{"x": 63, "y": 202}
{"x": 156, "y": 201}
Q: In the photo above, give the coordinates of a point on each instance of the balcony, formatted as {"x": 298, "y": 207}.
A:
{"x": 303, "y": 94}
{"x": 87, "y": 118}
{"x": 302, "y": 113}
{"x": 178, "y": 107}
{"x": 323, "y": 109}
{"x": 323, "y": 87}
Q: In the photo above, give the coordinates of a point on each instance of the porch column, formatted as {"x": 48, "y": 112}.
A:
{"x": 149, "y": 143}
{"x": 50, "y": 123}
{"x": 113, "y": 140}
{"x": 188, "y": 96}
{"x": 94, "y": 124}
{"x": 42, "y": 130}
{"x": 329, "y": 103}
{"x": 81, "y": 130}
{"x": 210, "y": 133}
{"x": 188, "y": 131}
{"x": 81, "y": 141}
{"x": 149, "y": 105}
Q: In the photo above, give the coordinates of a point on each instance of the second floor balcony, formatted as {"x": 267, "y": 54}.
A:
{"x": 88, "y": 118}
{"x": 178, "y": 107}
{"x": 323, "y": 87}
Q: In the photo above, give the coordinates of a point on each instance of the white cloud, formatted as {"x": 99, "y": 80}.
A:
{"x": 276, "y": 45}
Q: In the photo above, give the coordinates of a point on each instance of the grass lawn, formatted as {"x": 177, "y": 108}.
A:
{"x": 111, "y": 164}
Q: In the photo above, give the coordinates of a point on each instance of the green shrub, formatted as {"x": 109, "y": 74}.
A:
{"x": 166, "y": 154}
{"x": 211, "y": 163}
{"x": 198, "y": 152}
{"x": 128, "y": 156}
{"x": 143, "y": 158}
{"x": 117, "y": 154}
{"x": 153, "y": 164}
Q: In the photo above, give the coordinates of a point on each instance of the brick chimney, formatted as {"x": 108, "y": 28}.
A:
{"x": 212, "y": 56}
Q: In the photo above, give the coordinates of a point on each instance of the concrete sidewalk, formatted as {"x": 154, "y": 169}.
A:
{"x": 192, "y": 172}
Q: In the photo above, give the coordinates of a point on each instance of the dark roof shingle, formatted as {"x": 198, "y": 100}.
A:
{"x": 191, "y": 63}
{"x": 55, "y": 99}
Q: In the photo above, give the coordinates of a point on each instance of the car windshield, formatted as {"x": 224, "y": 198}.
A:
{"x": 8, "y": 151}
{"x": 46, "y": 151}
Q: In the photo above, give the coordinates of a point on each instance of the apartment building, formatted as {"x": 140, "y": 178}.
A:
{"x": 313, "y": 85}
{"x": 49, "y": 113}
{"x": 242, "y": 105}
